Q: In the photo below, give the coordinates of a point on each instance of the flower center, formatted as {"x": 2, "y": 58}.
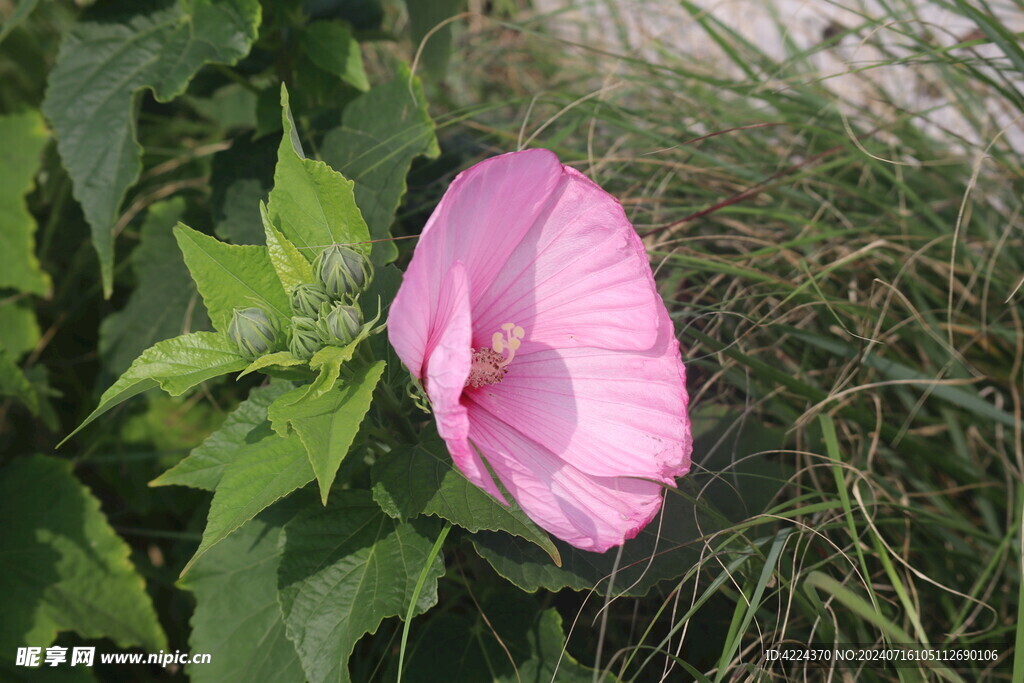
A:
{"x": 491, "y": 364}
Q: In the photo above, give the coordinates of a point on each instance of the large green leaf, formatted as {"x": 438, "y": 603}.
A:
{"x": 261, "y": 474}
{"x": 312, "y": 204}
{"x": 422, "y": 480}
{"x": 175, "y": 365}
{"x": 381, "y": 133}
{"x": 19, "y": 331}
{"x": 163, "y": 304}
{"x": 110, "y": 54}
{"x": 62, "y": 567}
{"x": 205, "y": 465}
{"x": 328, "y": 424}
{"x": 518, "y": 642}
{"x": 667, "y": 548}
{"x": 345, "y": 568}
{"x": 24, "y": 137}
{"x": 332, "y": 47}
{"x": 237, "y": 616}
{"x": 230, "y": 276}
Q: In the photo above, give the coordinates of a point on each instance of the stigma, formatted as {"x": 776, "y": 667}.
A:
{"x": 490, "y": 365}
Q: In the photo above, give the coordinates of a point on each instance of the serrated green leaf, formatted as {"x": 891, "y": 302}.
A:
{"x": 107, "y": 57}
{"x": 344, "y": 569}
{"x": 381, "y": 133}
{"x": 281, "y": 359}
{"x": 332, "y": 47}
{"x": 205, "y": 465}
{"x": 163, "y": 304}
{"x": 19, "y": 331}
{"x": 421, "y": 480}
{"x": 230, "y": 276}
{"x": 291, "y": 266}
{"x": 24, "y": 138}
{"x": 259, "y": 475}
{"x": 236, "y": 584}
{"x": 667, "y": 548}
{"x": 175, "y": 365}
{"x": 62, "y": 567}
{"x": 312, "y": 204}
{"x": 328, "y": 424}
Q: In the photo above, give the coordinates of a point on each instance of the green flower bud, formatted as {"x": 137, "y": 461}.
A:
{"x": 342, "y": 272}
{"x": 307, "y": 299}
{"x": 253, "y": 332}
{"x": 305, "y": 341}
{"x": 339, "y": 325}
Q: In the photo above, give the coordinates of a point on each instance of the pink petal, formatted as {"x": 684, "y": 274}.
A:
{"x": 446, "y": 373}
{"x": 591, "y": 513}
{"x": 479, "y": 221}
{"x": 606, "y": 413}
{"x": 579, "y": 278}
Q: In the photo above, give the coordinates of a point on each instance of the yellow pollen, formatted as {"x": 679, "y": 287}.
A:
{"x": 490, "y": 366}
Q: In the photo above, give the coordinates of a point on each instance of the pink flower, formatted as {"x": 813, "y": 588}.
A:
{"x": 529, "y": 313}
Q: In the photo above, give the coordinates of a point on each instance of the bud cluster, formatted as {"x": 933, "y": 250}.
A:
{"x": 324, "y": 312}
